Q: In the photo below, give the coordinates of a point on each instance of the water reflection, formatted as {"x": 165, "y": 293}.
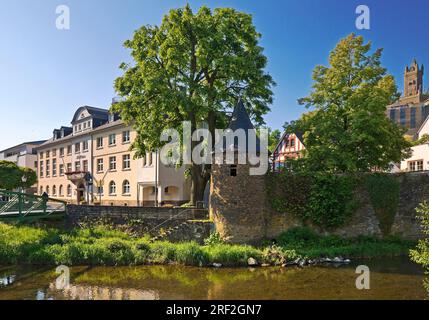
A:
{"x": 390, "y": 279}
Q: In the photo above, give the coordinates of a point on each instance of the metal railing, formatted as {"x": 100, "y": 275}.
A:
{"x": 16, "y": 205}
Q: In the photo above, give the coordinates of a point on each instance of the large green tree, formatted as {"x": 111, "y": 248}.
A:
{"x": 347, "y": 129}
{"x": 11, "y": 176}
{"x": 193, "y": 67}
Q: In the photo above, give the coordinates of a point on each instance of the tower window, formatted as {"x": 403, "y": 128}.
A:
{"x": 233, "y": 170}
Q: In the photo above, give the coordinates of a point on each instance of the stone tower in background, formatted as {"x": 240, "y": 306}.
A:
{"x": 413, "y": 83}
{"x": 237, "y": 199}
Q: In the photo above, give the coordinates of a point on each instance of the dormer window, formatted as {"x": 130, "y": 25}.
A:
{"x": 233, "y": 170}
{"x": 111, "y": 117}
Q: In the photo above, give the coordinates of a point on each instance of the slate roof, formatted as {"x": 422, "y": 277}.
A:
{"x": 240, "y": 120}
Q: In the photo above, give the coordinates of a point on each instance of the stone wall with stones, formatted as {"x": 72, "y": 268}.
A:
{"x": 241, "y": 210}
{"x": 139, "y": 220}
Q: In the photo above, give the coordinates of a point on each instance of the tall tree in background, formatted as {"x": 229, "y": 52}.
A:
{"x": 11, "y": 176}
{"x": 193, "y": 67}
{"x": 347, "y": 129}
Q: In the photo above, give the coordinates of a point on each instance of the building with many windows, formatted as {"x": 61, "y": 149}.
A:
{"x": 91, "y": 162}
{"x": 23, "y": 155}
{"x": 412, "y": 109}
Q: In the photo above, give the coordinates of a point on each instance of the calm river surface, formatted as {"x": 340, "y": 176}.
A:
{"x": 390, "y": 279}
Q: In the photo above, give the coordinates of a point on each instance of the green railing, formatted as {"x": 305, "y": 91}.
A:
{"x": 21, "y": 206}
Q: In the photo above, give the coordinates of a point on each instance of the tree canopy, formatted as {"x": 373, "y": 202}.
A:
{"x": 193, "y": 67}
{"x": 347, "y": 129}
{"x": 11, "y": 176}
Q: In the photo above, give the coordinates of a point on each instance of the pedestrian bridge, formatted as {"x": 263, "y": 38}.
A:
{"x": 16, "y": 206}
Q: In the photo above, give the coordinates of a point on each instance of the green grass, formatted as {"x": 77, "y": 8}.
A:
{"x": 309, "y": 244}
{"x": 104, "y": 246}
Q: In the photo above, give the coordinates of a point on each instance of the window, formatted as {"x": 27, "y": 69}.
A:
{"x": 61, "y": 193}
{"x": 126, "y": 162}
{"x": 415, "y": 165}
{"x": 392, "y": 114}
{"x": 41, "y": 169}
{"x": 85, "y": 146}
{"x": 48, "y": 154}
{"x": 112, "y": 139}
{"x": 47, "y": 190}
{"x": 112, "y": 188}
{"x": 77, "y": 147}
{"x": 61, "y": 170}
{"x": 77, "y": 166}
{"x": 85, "y": 165}
{"x": 126, "y": 137}
{"x": 126, "y": 187}
{"x": 54, "y": 167}
{"x": 233, "y": 170}
{"x": 54, "y": 190}
{"x": 100, "y": 165}
{"x": 99, "y": 142}
{"x": 112, "y": 163}
{"x": 69, "y": 190}
{"x": 69, "y": 167}
{"x": 61, "y": 152}
{"x": 48, "y": 169}
{"x": 413, "y": 118}
{"x": 100, "y": 190}
{"x": 292, "y": 143}
{"x": 84, "y": 125}
{"x": 402, "y": 115}
{"x": 41, "y": 155}
{"x": 41, "y": 190}
{"x": 54, "y": 152}
{"x": 69, "y": 150}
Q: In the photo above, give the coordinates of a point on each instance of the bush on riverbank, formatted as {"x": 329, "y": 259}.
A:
{"x": 307, "y": 243}
{"x": 420, "y": 254}
{"x": 103, "y": 246}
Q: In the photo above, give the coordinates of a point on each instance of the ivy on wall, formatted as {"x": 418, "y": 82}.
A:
{"x": 384, "y": 195}
{"x": 324, "y": 200}
{"x": 328, "y": 201}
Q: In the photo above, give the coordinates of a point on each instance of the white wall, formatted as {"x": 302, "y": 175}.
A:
{"x": 420, "y": 152}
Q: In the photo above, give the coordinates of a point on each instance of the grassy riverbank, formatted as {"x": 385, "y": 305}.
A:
{"x": 101, "y": 246}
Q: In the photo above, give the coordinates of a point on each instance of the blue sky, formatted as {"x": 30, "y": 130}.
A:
{"x": 46, "y": 74}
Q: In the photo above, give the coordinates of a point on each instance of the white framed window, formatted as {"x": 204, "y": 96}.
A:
{"x": 126, "y": 136}
{"x": 85, "y": 145}
{"x": 77, "y": 147}
{"x": 126, "y": 162}
{"x": 112, "y": 163}
{"x": 112, "y": 139}
{"x": 77, "y": 166}
{"x": 99, "y": 142}
{"x": 61, "y": 191}
{"x": 100, "y": 165}
{"x": 126, "y": 189}
{"x": 69, "y": 191}
{"x": 54, "y": 167}
{"x": 112, "y": 188}
{"x": 61, "y": 170}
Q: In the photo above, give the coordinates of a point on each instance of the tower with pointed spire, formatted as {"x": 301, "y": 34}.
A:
{"x": 237, "y": 198}
{"x": 413, "y": 82}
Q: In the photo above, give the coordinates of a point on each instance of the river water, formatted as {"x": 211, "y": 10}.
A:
{"x": 389, "y": 279}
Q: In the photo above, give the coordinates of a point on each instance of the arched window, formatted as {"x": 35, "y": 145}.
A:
{"x": 47, "y": 190}
{"x": 112, "y": 188}
{"x": 54, "y": 190}
{"x": 126, "y": 187}
{"x": 61, "y": 191}
{"x": 69, "y": 191}
{"x": 41, "y": 190}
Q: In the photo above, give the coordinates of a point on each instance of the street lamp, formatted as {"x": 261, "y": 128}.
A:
{"x": 24, "y": 180}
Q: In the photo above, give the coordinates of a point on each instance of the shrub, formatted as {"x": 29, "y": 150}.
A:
{"x": 420, "y": 254}
{"x": 214, "y": 239}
